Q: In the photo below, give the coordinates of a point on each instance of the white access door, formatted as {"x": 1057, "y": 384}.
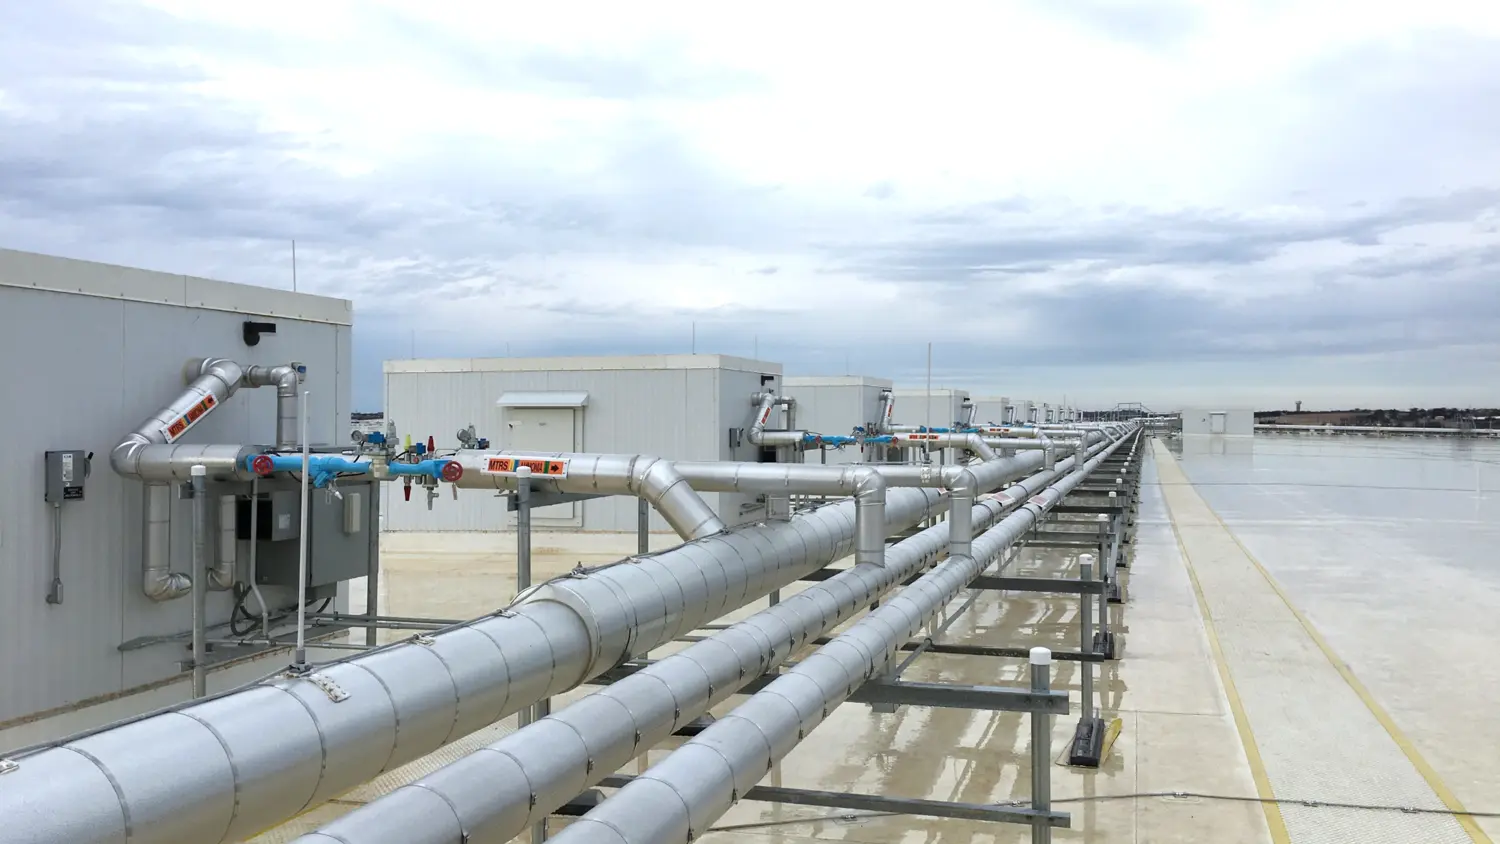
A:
{"x": 1217, "y": 422}
{"x": 547, "y": 429}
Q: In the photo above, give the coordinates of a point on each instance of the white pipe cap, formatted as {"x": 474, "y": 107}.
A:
{"x": 523, "y": 471}
{"x": 1111, "y": 493}
{"x": 198, "y": 470}
{"x": 1086, "y": 559}
{"x": 1041, "y": 656}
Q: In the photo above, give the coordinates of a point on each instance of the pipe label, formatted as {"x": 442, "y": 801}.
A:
{"x": 496, "y": 465}
{"x": 182, "y": 424}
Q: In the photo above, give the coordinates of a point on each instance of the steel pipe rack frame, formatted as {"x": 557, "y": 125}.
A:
{"x": 515, "y": 783}
{"x": 256, "y": 756}
{"x": 680, "y": 797}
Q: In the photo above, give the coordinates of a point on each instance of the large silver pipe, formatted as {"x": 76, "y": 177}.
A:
{"x": 887, "y": 408}
{"x": 679, "y": 798}
{"x": 254, "y": 757}
{"x": 645, "y": 477}
{"x": 500, "y": 790}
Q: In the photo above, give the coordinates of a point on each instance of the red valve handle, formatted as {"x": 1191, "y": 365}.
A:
{"x": 452, "y": 471}
{"x": 261, "y": 465}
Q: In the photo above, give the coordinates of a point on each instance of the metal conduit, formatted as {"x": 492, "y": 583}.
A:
{"x": 679, "y": 798}
{"x": 230, "y": 766}
{"x": 502, "y": 789}
{"x": 645, "y": 477}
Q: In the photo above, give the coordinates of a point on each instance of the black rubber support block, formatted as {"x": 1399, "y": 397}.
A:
{"x": 582, "y": 804}
{"x": 1087, "y": 750}
{"x": 695, "y": 726}
{"x": 1104, "y": 643}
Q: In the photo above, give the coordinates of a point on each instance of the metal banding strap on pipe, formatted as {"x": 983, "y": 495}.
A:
{"x": 679, "y": 798}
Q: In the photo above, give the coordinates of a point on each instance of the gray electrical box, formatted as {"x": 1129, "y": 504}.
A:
{"x": 66, "y": 471}
{"x": 340, "y": 545}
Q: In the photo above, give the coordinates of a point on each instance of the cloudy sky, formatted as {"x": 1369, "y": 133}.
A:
{"x": 1233, "y": 203}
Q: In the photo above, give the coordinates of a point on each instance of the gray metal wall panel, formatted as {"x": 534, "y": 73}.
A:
{"x": 84, "y": 371}
{"x": 989, "y": 411}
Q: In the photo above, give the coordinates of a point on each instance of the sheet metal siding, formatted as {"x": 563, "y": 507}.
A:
{"x": 989, "y": 411}
{"x": 911, "y": 406}
{"x": 673, "y": 413}
{"x": 82, "y": 370}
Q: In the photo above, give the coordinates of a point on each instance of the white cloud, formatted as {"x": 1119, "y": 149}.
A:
{"x": 1128, "y": 186}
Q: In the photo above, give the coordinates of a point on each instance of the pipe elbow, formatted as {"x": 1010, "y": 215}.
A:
{"x": 226, "y": 370}
{"x": 869, "y": 483}
{"x": 166, "y": 585}
{"x": 221, "y": 578}
{"x": 669, "y": 493}
{"x": 961, "y": 482}
{"x": 869, "y": 517}
{"x": 125, "y": 457}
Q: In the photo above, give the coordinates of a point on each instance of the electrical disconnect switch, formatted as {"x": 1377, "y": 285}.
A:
{"x": 66, "y": 471}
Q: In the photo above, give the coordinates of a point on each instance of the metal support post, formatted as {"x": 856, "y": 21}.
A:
{"x": 523, "y": 582}
{"x": 1041, "y": 748}
{"x": 372, "y": 595}
{"x": 299, "y": 660}
{"x": 1088, "y": 738}
{"x": 1104, "y": 642}
{"x": 200, "y": 579}
{"x": 642, "y": 525}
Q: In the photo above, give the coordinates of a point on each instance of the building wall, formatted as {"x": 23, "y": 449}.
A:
{"x": 836, "y": 405}
{"x": 911, "y": 407}
{"x": 677, "y": 407}
{"x": 990, "y": 410}
{"x": 1238, "y": 422}
{"x": 82, "y": 370}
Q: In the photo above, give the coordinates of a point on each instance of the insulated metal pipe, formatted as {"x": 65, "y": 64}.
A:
{"x": 151, "y": 453}
{"x": 864, "y": 483}
{"x": 500, "y": 790}
{"x": 221, "y": 573}
{"x": 758, "y": 435}
{"x": 887, "y": 407}
{"x": 971, "y": 442}
{"x": 679, "y": 798}
{"x": 646, "y": 477}
{"x": 158, "y": 581}
{"x": 254, "y": 757}
{"x": 286, "y": 379}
